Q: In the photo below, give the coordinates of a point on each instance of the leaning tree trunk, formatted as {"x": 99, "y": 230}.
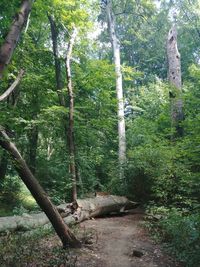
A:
{"x": 119, "y": 87}
{"x": 12, "y": 38}
{"x": 24, "y": 172}
{"x": 174, "y": 73}
{"x": 66, "y": 236}
{"x": 72, "y": 165}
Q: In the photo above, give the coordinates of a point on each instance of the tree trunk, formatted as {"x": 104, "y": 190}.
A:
{"x": 66, "y": 236}
{"x": 72, "y": 165}
{"x": 119, "y": 87}
{"x": 12, "y": 38}
{"x": 33, "y": 143}
{"x": 68, "y": 130}
{"x": 3, "y": 165}
{"x": 72, "y": 213}
{"x": 59, "y": 83}
{"x": 174, "y": 73}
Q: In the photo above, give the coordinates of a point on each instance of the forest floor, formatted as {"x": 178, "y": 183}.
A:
{"x": 122, "y": 242}
{"x": 115, "y": 241}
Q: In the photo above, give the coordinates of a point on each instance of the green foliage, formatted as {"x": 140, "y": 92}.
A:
{"x": 10, "y": 188}
{"x": 182, "y": 236}
{"x": 158, "y": 170}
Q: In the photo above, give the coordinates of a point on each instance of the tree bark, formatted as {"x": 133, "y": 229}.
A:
{"x": 33, "y": 144}
{"x": 3, "y": 165}
{"x": 174, "y": 73}
{"x": 12, "y": 37}
{"x": 72, "y": 164}
{"x": 68, "y": 130}
{"x": 82, "y": 209}
{"x": 119, "y": 87}
{"x": 59, "y": 83}
{"x": 66, "y": 236}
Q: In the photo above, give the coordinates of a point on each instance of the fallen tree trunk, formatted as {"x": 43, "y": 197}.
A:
{"x": 72, "y": 213}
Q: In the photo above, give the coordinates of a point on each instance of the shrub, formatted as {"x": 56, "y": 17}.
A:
{"x": 182, "y": 235}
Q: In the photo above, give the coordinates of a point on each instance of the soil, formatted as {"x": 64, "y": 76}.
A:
{"x": 117, "y": 241}
{"x": 121, "y": 242}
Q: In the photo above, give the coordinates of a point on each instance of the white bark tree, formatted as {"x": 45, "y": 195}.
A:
{"x": 119, "y": 86}
{"x": 72, "y": 164}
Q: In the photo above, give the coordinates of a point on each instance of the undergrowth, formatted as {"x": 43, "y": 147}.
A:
{"x": 179, "y": 231}
{"x": 36, "y": 248}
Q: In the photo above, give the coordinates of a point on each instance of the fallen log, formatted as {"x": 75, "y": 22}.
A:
{"x": 72, "y": 213}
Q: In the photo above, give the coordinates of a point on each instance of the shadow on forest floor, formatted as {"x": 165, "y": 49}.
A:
{"x": 108, "y": 242}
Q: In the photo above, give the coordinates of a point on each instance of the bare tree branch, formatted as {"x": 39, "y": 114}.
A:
{"x": 12, "y": 87}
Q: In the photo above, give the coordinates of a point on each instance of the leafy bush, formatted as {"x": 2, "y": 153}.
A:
{"x": 182, "y": 234}
{"x": 10, "y": 188}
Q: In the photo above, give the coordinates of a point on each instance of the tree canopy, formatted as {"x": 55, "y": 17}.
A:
{"x": 162, "y": 169}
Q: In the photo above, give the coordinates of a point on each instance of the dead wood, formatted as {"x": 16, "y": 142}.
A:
{"x": 72, "y": 213}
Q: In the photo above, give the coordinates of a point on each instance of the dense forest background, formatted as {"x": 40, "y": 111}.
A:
{"x": 162, "y": 170}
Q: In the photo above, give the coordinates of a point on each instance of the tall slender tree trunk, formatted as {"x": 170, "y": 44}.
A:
{"x": 119, "y": 87}
{"x": 66, "y": 236}
{"x": 69, "y": 129}
{"x": 12, "y": 38}
{"x": 59, "y": 83}
{"x": 174, "y": 74}
{"x": 3, "y": 165}
{"x": 33, "y": 144}
{"x": 72, "y": 165}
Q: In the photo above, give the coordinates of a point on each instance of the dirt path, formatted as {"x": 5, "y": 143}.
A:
{"x": 121, "y": 242}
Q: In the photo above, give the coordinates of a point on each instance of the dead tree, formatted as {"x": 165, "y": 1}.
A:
{"x": 174, "y": 74}
{"x": 72, "y": 213}
{"x": 119, "y": 86}
{"x": 72, "y": 165}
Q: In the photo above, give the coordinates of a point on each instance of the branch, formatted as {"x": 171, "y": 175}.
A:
{"x": 12, "y": 87}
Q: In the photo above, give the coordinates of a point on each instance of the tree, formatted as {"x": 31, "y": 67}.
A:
{"x": 174, "y": 73}
{"x": 119, "y": 86}
{"x": 72, "y": 165}
{"x": 24, "y": 172}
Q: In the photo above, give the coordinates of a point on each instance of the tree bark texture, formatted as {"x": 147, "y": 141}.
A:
{"x": 66, "y": 236}
{"x": 174, "y": 73}
{"x": 59, "y": 83}
{"x": 119, "y": 86}
{"x": 12, "y": 37}
{"x": 72, "y": 164}
{"x": 73, "y": 213}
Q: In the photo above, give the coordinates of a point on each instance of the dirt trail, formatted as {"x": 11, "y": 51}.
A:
{"x": 117, "y": 239}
